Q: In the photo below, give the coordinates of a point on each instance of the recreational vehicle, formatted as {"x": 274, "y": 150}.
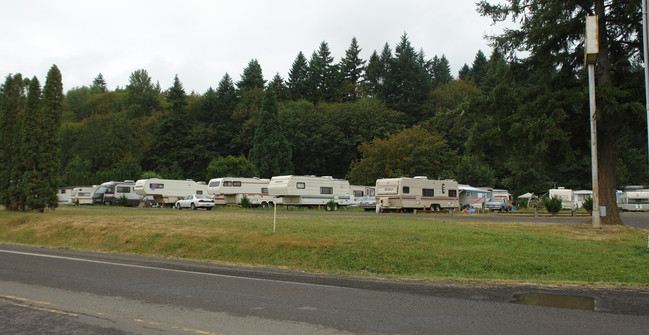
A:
{"x": 472, "y": 196}
{"x": 310, "y": 190}
{"x": 230, "y": 191}
{"x": 636, "y": 200}
{"x": 566, "y": 196}
{"x": 63, "y": 194}
{"x": 358, "y": 191}
{"x": 168, "y": 191}
{"x": 82, "y": 195}
{"x": 416, "y": 193}
{"x": 580, "y": 196}
{"x": 112, "y": 193}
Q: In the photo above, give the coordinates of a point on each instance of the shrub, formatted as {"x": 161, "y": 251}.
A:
{"x": 123, "y": 201}
{"x": 588, "y": 205}
{"x": 332, "y": 205}
{"x": 553, "y": 205}
{"x": 245, "y": 202}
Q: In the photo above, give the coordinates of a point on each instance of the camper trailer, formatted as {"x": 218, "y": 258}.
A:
{"x": 416, "y": 193}
{"x": 111, "y": 193}
{"x": 580, "y": 196}
{"x": 310, "y": 190}
{"x": 636, "y": 200}
{"x": 63, "y": 194}
{"x": 168, "y": 191}
{"x": 472, "y": 196}
{"x": 358, "y": 191}
{"x": 230, "y": 191}
{"x": 82, "y": 195}
{"x": 566, "y": 196}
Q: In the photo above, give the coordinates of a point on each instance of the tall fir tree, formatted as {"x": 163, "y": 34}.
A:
{"x": 324, "y": 78}
{"x": 479, "y": 68}
{"x": 143, "y": 97}
{"x": 297, "y": 78}
{"x": 464, "y": 73}
{"x": 441, "y": 71}
{"x": 33, "y": 181}
{"x": 99, "y": 84}
{"x": 351, "y": 69}
{"x": 53, "y": 99}
{"x": 271, "y": 152}
{"x": 251, "y": 78}
{"x": 12, "y": 102}
{"x": 280, "y": 88}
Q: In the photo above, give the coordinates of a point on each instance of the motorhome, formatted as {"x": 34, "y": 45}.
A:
{"x": 112, "y": 193}
{"x": 635, "y": 200}
{"x": 416, "y": 193}
{"x": 566, "y": 196}
{"x": 168, "y": 191}
{"x": 230, "y": 191}
{"x": 82, "y": 195}
{"x": 310, "y": 190}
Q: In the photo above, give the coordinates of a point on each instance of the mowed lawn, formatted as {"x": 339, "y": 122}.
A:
{"x": 343, "y": 243}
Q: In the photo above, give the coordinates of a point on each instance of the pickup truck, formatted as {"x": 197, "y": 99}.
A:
{"x": 497, "y": 204}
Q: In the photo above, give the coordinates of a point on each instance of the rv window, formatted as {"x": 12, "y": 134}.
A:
{"x": 300, "y": 186}
{"x": 199, "y": 192}
{"x": 358, "y": 193}
{"x": 227, "y": 183}
{"x": 326, "y": 190}
{"x": 428, "y": 192}
{"x": 123, "y": 189}
{"x": 264, "y": 190}
{"x": 111, "y": 189}
{"x": 452, "y": 193}
{"x": 406, "y": 189}
{"x": 62, "y": 191}
{"x": 215, "y": 184}
{"x": 236, "y": 183}
{"x": 157, "y": 186}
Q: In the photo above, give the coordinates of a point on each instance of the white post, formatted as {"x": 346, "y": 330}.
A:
{"x": 593, "y": 144}
{"x": 274, "y": 216}
{"x": 645, "y": 51}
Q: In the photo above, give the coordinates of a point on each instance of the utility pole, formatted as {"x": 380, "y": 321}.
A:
{"x": 646, "y": 61}
{"x": 592, "y": 50}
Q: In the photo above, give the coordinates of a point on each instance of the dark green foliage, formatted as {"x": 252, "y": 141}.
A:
{"x": 230, "y": 166}
{"x": 351, "y": 70}
{"x": 12, "y": 100}
{"x": 464, "y": 73}
{"x": 297, "y": 78}
{"x": 323, "y": 77}
{"x": 552, "y": 205}
{"x": 53, "y": 99}
{"x": 280, "y": 88}
{"x": 251, "y": 78}
{"x": 143, "y": 97}
{"x": 588, "y": 204}
{"x": 270, "y": 153}
{"x": 245, "y": 202}
{"x": 441, "y": 71}
{"x": 99, "y": 84}
{"x": 473, "y": 171}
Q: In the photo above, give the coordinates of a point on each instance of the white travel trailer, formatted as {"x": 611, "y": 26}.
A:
{"x": 168, "y": 191}
{"x": 636, "y": 200}
{"x": 566, "y": 196}
{"x": 416, "y": 193}
{"x": 472, "y": 196}
{"x": 580, "y": 196}
{"x": 358, "y": 191}
{"x": 63, "y": 194}
{"x": 230, "y": 191}
{"x": 310, "y": 190}
{"x": 112, "y": 193}
{"x": 82, "y": 195}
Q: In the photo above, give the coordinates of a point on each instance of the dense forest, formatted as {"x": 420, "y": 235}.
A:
{"x": 501, "y": 121}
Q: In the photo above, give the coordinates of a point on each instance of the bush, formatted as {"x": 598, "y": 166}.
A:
{"x": 332, "y": 205}
{"x": 553, "y": 205}
{"x": 123, "y": 201}
{"x": 588, "y": 205}
{"x": 522, "y": 203}
{"x": 245, "y": 202}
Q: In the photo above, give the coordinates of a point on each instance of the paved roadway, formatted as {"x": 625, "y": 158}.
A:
{"x": 46, "y": 291}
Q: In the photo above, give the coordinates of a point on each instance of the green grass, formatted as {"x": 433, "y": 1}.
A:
{"x": 422, "y": 247}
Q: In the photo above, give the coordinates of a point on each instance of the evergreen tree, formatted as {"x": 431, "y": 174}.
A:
{"x": 251, "y": 78}
{"x": 280, "y": 88}
{"x": 270, "y": 153}
{"x": 99, "y": 84}
{"x": 479, "y": 68}
{"x": 297, "y": 78}
{"x": 142, "y": 95}
{"x": 53, "y": 100}
{"x": 464, "y": 73}
{"x": 323, "y": 81}
{"x": 374, "y": 75}
{"x": 351, "y": 68}
{"x": 441, "y": 71}
{"x": 227, "y": 97}
{"x": 12, "y": 101}
{"x": 34, "y": 181}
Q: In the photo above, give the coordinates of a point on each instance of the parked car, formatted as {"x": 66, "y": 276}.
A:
{"x": 195, "y": 201}
{"x": 497, "y": 204}
{"x": 367, "y": 203}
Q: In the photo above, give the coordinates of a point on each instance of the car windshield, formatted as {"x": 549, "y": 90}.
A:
{"x": 200, "y": 196}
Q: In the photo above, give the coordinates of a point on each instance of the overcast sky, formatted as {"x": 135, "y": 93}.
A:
{"x": 202, "y": 40}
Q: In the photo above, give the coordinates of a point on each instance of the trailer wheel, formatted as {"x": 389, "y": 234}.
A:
{"x": 264, "y": 205}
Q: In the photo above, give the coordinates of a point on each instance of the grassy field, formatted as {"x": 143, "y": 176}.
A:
{"x": 422, "y": 247}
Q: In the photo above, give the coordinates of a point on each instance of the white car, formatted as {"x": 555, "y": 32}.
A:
{"x": 195, "y": 201}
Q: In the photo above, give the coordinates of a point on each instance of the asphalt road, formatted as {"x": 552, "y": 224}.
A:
{"x": 46, "y": 291}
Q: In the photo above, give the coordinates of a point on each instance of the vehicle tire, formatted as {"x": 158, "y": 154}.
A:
{"x": 432, "y": 208}
{"x": 193, "y": 207}
{"x": 264, "y": 205}
{"x": 208, "y": 208}
{"x": 178, "y": 207}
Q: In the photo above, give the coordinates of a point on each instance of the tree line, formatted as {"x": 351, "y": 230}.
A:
{"x": 502, "y": 121}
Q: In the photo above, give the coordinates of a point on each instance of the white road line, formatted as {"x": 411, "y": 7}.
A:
{"x": 165, "y": 269}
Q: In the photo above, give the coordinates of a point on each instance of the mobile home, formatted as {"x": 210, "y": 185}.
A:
{"x": 168, "y": 191}
{"x": 111, "y": 193}
{"x": 82, "y": 195}
{"x": 636, "y": 200}
{"x": 230, "y": 191}
{"x": 566, "y": 196}
{"x": 310, "y": 190}
{"x": 416, "y": 193}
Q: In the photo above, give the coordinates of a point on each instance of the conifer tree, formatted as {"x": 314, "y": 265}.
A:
{"x": 251, "y": 78}
{"x": 280, "y": 88}
{"x": 271, "y": 152}
{"x": 324, "y": 78}
{"x": 297, "y": 78}
{"x": 464, "y": 73}
{"x": 441, "y": 71}
{"x": 479, "y": 68}
{"x": 99, "y": 84}
{"x": 12, "y": 100}
{"x": 53, "y": 99}
{"x": 34, "y": 182}
{"x": 351, "y": 68}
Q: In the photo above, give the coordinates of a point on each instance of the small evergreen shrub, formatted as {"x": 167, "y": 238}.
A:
{"x": 245, "y": 202}
{"x": 553, "y": 205}
{"x": 123, "y": 201}
{"x": 588, "y": 205}
{"x": 332, "y": 205}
